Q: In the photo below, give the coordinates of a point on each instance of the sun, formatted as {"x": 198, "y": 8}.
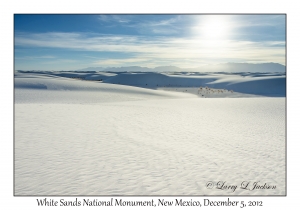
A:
{"x": 214, "y": 27}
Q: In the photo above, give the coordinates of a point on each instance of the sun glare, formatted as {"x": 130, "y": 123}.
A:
{"x": 214, "y": 27}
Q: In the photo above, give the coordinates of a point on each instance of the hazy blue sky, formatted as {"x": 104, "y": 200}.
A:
{"x": 70, "y": 42}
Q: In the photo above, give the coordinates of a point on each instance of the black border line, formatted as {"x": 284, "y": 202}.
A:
{"x": 14, "y": 192}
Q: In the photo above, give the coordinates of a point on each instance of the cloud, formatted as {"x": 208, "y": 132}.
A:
{"x": 164, "y": 22}
{"x": 166, "y": 26}
{"x": 140, "y": 49}
{"x": 122, "y": 62}
{"x": 115, "y": 18}
{"x": 61, "y": 60}
{"x": 143, "y": 24}
{"x": 36, "y": 57}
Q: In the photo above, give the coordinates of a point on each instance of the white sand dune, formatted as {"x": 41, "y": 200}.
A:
{"x": 261, "y": 85}
{"x": 53, "y": 89}
{"x": 267, "y": 84}
{"x": 75, "y": 137}
{"x": 245, "y": 83}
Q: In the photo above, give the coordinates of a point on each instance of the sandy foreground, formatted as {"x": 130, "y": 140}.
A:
{"x": 76, "y": 137}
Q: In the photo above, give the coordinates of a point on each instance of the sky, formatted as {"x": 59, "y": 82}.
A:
{"x": 72, "y": 42}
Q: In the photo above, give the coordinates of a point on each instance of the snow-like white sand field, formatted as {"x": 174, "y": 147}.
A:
{"x": 149, "y": 133}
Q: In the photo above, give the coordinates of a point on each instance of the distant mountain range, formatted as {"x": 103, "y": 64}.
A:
{"x": 225, "y": 67}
